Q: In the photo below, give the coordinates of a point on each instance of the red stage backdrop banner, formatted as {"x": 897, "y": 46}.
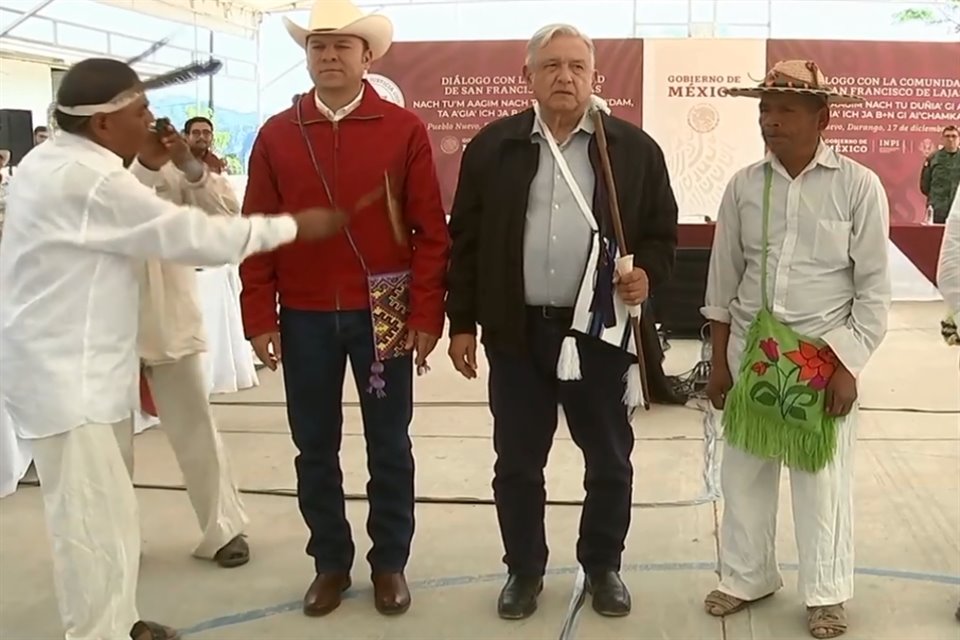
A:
{"x": 458, "y": 87}
{"x": 912, "y": 91}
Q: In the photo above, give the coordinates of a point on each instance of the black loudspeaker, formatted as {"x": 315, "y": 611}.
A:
{"x": 16, "y": 133}
{"x": 677, "y": 303}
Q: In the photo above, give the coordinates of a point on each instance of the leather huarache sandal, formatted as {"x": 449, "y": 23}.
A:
{"x": 234, "y": 553}
{"x": 827, "y": 622}
{"x": 720, "y": 604}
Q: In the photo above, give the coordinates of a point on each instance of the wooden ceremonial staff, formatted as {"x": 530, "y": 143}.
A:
{"x": 621, "y": 241}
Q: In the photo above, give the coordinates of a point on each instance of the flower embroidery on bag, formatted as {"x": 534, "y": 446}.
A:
{"x": 801, "y": 376}
{"x": 816, "y": 365}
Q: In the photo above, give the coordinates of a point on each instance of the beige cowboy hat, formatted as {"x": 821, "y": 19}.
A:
{"x": 796, "y": 76}
{"x": 344, "y": 17}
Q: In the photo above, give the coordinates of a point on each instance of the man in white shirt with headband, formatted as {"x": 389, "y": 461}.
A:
{"x": 78, "y": 228}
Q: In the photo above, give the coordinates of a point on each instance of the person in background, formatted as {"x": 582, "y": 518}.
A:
{"x": 40, "y": 134}
{"x": 948, "y": 265}
{"x": 801, "y": 237}
{"x": 199, "y": 133}
{"x": 941, "y": 175}
{"x": 526, "y": 254}
{"x": 4, "y": 180}
{"x": 343, "y": 145}
{"x": 171, "y": 343}
{"x": 948, "y": 282}
{"x": 78, "y": 227}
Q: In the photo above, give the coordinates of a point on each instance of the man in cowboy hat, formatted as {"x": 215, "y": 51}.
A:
{"x": 827, "y": 242}
{"x": 341, "y": 144}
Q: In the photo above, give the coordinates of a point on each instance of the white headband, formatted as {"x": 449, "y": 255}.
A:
{"x": 86, "y": 110}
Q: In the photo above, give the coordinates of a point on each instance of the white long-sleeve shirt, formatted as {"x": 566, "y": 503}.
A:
{"x": 78, "y": 228}
{"x": 171, "y": 321}
{"x": 827, "y": 270}
{"x": 948, "y": 265}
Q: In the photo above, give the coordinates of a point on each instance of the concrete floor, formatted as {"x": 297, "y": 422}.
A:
{"x": 908, "y": 522}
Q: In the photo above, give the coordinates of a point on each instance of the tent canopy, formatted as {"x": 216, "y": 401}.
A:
{"x": 236, "y": 16}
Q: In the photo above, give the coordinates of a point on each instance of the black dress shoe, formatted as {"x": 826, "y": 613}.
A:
{"x": 610, "y": 595}
{"x": 518, "y": 599}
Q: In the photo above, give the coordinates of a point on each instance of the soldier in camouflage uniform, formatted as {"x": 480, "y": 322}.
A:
{"x": 941, "y": 175}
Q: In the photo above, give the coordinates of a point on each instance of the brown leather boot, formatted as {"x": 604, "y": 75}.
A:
{"x": 325, "y": 593}
{"x": 390, "y": 593}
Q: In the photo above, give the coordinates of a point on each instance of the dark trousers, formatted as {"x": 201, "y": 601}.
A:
{"x": 315, "y": 348}
{"x": 524, "y": 395}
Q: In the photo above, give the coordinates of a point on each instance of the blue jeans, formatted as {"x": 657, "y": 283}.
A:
{"x": 316, "y": 346}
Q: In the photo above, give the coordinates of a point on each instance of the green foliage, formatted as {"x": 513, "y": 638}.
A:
{"x": 947, "y": 14}
{"x": 234, "y": 164}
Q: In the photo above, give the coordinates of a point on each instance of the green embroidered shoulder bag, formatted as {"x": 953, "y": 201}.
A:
{"x": 776, "y": 408}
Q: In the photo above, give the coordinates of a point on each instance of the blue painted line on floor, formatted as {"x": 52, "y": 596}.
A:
{"x": 459, "y": 581}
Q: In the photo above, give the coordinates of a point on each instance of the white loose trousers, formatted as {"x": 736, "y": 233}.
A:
{"x": 179, "y": 391}
{"x": 94, "y": 529}
{"x": 822, "y": 512}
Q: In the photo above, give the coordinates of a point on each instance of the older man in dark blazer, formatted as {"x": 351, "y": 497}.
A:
{"x": 523, "y": 241}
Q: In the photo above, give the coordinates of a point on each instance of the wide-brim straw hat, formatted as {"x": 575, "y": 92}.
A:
{"x": 796, "y": 76}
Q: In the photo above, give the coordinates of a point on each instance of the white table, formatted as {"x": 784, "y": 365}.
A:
{"x": 230, "y": 366}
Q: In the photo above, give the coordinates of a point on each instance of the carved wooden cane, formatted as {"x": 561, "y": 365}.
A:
{"x": 621, "y": 242}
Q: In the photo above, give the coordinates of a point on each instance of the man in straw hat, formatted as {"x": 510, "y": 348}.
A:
{"x": 797, "y": 297}
{"x": 533, "y": 259}
{"x": 371, "y": 295}
{"x": 79, "y": 226}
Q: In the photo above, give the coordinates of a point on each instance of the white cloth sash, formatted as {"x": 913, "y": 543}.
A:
{"x": 568, "y": 365}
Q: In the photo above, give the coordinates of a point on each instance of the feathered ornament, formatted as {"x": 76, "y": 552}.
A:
{"x": 182, "y": 75}
{"x": 152, "y": 49}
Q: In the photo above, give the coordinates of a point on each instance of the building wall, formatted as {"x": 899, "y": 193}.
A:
{"x": 27, "y": 85}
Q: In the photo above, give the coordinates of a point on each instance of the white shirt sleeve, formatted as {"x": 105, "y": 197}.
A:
{"x": 855, "y": 343}
{"x": 727, "y": 263}
{"x": 213, "y": 194}
{"x": 126, "y": 217}
{"x": 948, "y": 265}
{"x": 147, "y": 177}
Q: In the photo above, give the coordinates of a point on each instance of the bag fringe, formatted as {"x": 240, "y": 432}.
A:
{"x": 764, "y": 438}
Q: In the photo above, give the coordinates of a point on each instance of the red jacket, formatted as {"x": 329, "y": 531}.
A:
{"x": 354, "y": 153}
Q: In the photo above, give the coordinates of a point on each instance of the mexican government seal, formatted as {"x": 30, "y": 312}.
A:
{"x": 703, "y": 118}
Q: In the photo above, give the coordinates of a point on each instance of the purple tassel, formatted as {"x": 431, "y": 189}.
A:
{"x": 601, "y": 305}
{"x": 377, "y": 383}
